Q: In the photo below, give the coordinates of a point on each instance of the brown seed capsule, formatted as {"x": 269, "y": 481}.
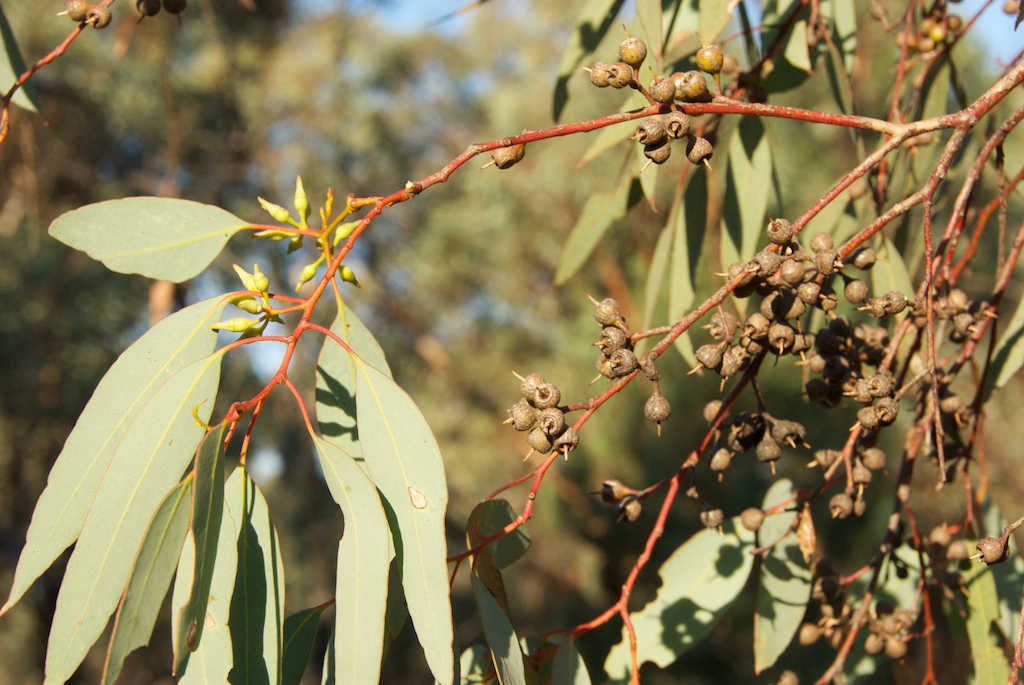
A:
{"x": 721, "y": 460}
{"x": 792, "y": 271}
{"x": 809, "y": 292}
{"x": 855, "y": 291}
{"x": 780, "y": 337}
{"x": 651, "y": 132}
{"x": 709, "y": 356}
{"x": 546, "y": 395}
{"x": 662, "y": 90}
{"x": 621, "y": 75}
{"x": 873, "y": 458}
{"x": 98, "y": 16}
{"x": 698, "y": 150}
{"x": 523, "y": 415}
{"x": 567, "y": 441}
{"x": 710, "y": 59}
{"x": 551, "y": 421}
{"x": 612, "y": 339}
{"x": 894, "y": 302}
{"x": 657, "y": 408}
{"x": 950, "y": 402}
{"x": 768, "y": 262}
{"x": 767, "y": 449}
{"x": 752, "y": 518}
{"x": 887, "y": 410}
{"x": 840, "y": 506}
{"x": 993, "y": 550}
{"x": 879, "y": 385}
{"x": 608, "y": 313}
{"x": 539, "y": 440}
{"x": 874, "y": 644}
{"x": 809, "y": 634}
{"x": 940, "y": 536}
{"x": 677, "y": 124}
{"x": 711, "y": 410}
{"x": 957, "y": 550}
{"x": 780, "y": 232}
{"x": 861, "y": 474}
{"x": 712, "y": 518}
{"x": 601, "y": 74}
{"x": 505, "y": 157}
{"x": 789, "y": 432}
{"x": 820, "y": 242}
{"x": 859, "y": 507}
{"x": 629, "y": 509}
{"x": 148, "y": 8}
{"x": 827, "y": 261}
{"x": 659, "y": 153}
{"x": 864, "y": 258}
{"x": 613, "y": 490}
{"x": 623, "y": 362}
{"x": 895, "y": 647}
{"x": 867, "y": 417}
{"x": 756, "y": 326}
{"x": 633, "y": 52}
{"x": 530, "y": 384}
{"x": 78, "y": 10}
{"x": 690, "y": 86}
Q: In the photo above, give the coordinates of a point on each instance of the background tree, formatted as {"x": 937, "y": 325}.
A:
{"x": 232, "y": 103}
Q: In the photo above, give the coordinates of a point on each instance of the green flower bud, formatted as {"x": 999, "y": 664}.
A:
{"x": 259, "y": 281}
{"x": 294, "y": 244}
{"x": 250, "y": 305}
{"x": 301, "y": 203}
{"x": 271, "y": 234}
{"x": 306, "y": 275}
{"x": 277, "y": 211}
{"x": 346, "y": 275}
{"x": 344, "y": 231}
{"x": 245, "y": 277}
{"x": 237, "y": 325}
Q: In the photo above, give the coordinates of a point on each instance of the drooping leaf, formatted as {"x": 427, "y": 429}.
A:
{"x": 257, "y": 601}
{"x": 150, "y": 579}
{"x": 656, "y": 273}
{"x": 212, "y": 660}
{"x": 796, "y": 47}
{"x": 601, "y": 210}
{"x": 363, "y": 560}
{"x": 493, "y": 515}
{"x": 147, "y": 463}
{"x": 688, "y": 220}
{"x": 404, "y": 462}
{"x": 207, "y": 510}
{"x": 593, "y": 22}
{"x": 336, "y": 382}
{"x": 990, "y": 667}
{"x": 714, "y": 15}
{"x": 1008, "y": 356}
{"x": 1008, "y": 576}
{"x": 785, "y": 583}
{"x": 327, "y": 677}
{"x": 158, "y": 237}
{"x": 648, "y": 179}
{"x": 474, "y": 664}
{"x": 748, "y": 186}
{"x": 890, "y": 272}
{"x": 649, "y": 14}
{"x": 501, "y": 637}
{"x": 396, "y": 611}
{"x": 12, "y": 66}
{"x": 299, "y": 634}
{"x": 569, "y": 668}
{"x": 172, "y": 344}
{"x": 698, "y": 583}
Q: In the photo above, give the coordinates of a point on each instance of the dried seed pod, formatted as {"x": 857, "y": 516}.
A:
{"x": 993, "y": 550}
{"x": 767, "y": 449}
{"x": 721, "y": 460}
{"x": 874, "y": 644}
{"x": 780, "y": 231}
{"x": 522, "y": 415}
{"x": 709, "y": 356}
{"x": 633, "y": 52}
{"x": 546, "y": 395}
{"x": 864, "y": 258}
{"x": 99, "y": 16}
{"x": 802, "y": 343}
{"x": 629, "y": 509}
{"x": 855, "y": 291}
{"x": 827, "y": 261}
{"x": 677, "y": 124}
{"x": 950, "y": 402}
{"x": 567, "y": 441}
{"x": 895, "y": 647}
{"x": 710, "y": 59}
{"x": 780, "y": 337}
{"x": 621, "y": 75}
{"x": 756, "y": 326}
{"x": 690, "y": 86}
{"x": 613, "y": 491}
{"x": 551, "y": 421}
{"x": 539, "y": 440}
{"x": 623, "y": 362}
{"x": 651, "y": 132}
{"x": 611, "y": 339}
{"x": 659, "y": 153}
{"x": 148, "y": 8}
{"x": 752, "y": 518}
{"x": 734, "y": 360}
{"x": 657, "y": 409}
{"x": 789, "y": 432}
{"x": 873, "y": 458}
{"x": 78, "y": 10}
{"x": 859, "y": 506}
{"x": 712, "y": 518}
{"x": 940, "y": 536}
{"x": 722, "y": 328}
{"x": 601, "y": 74}
{"x": 607, "y": 313}
{"x": 887, "y": 410}
{"x": 809, "y": 634}
{"x": 840, "y": 506}
{"x": 826, "y": 588}
{"x": 828, "y": 300}
{"x": 894, "y": 302}
{"x": 809, "y": 292}
{"x": 768, "y": 262}
{"x": 821, "y": 242}
{"x": 530, "y": 385}
{"x": 698, "y": 150}
{"x": 505, "y": 157}
{"x": 868, "y": 417}
{"x": 793, "y": 271}
{"x": 662, "y": 90}
{"x": 957, "y": 550}
{"x": 861, "y": 474}
{"x": 817, "y": 390}
{"x": 879, "y": 385}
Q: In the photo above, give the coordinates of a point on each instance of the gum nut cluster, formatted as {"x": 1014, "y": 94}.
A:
{"x": 936, "y": 28}
{"x": 617, "y": 358}
{"x": 538, "y": 413}
{"x": 655, "y": 134}
{"x": 81, "y": 11}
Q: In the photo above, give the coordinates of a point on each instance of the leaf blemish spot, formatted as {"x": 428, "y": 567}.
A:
{"x": 418, "y": 500}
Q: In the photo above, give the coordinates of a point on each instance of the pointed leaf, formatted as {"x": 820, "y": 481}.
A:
{"x": 207, "y": 510}
{"x": 796, "y": 47}
{"x": 785, "y": 583}
{"x": 396, "y": 611}
{"x": 257, "y": 601}
{"x": 150, "y": 580}
{"x": 501, "y": 637}
{"x": 688, "y": 220}
{"x": 169, "y": 346}
{"x": 362, "y": 582}
{"x": 714, "y": 15}
{"x": 699, "y": 582}
{"x": 748, "y": 186}
{"x": 328, "y": 676}
{"x": 158, "y": 237}
{"x": 211, "y": 662}
{"x": 601, "y": 210}
{"x": 569, "y": 668}
{"x": 147, "y": 463}
{"x": 336, "y": 384}
{"x": 648, "y": 12}
{"x": 990, "y": 667}
{"x": 491, "y": 516}
{"x": 299, "y": 634}
{"x": 594, "y": 20}
{"x": 402, "y": 458}
{"x": 475, "y": 664}
{"x": 12, "y": 66}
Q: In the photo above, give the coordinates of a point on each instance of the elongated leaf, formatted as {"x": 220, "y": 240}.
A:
{"x": 689, "y": 222}
{"x": 12, "y": 66}
{"x": 699, "y": 581}
{"x": 491, "y": 516}
{"x": 1008, "y": 356}
{"x": 1008, "y": 576}
{"x": 785, "y": 583}
{"x": 889, "y": 272}
{"x": 501, "y": 637}
{"x": 474, "y": 664}
{"x": 990, "y": 667}
{"x": 402, "y": 458}
{"x": 207, "y": 510}
{"x": 748, "y": 186}
{"x": 151, "y": 578}
{"x": 569, "y": 668}
{"x": 594, "y": 20}
{"x": 648, "y": 12}
{"x": 211, "y": 662}
{"x": 648, "y": 179}
{"x": 299, "y": 633}
{"x": 328, "y": 676}
{"x": 60, "y": 513}
{"x": 796, "y": 47}
{"x": 158, "y": 237}
{"x": 362, "y": 582}
{"x": 396, "y": 611}
{"x": 714, "y": 15}
{"x": 656, "y": 273}
{"x": 147, "y": 463}
{"x": 598, "y": 214}
{"x": 842, "y": 17}
{"x": 336, "y": 382}
{"x": 257, "y": 601}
